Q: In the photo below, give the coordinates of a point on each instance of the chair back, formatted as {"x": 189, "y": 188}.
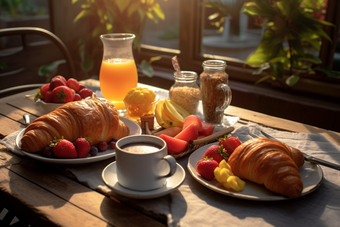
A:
{"x": 19, "y": 65}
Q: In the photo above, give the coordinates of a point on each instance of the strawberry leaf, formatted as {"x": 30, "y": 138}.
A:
{"x": 223, "y": 152}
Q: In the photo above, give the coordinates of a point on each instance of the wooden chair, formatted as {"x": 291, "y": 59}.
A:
{"x": 37, "y": 47}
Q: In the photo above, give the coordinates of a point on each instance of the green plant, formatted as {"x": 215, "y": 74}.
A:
{"x": 289, "y": 29}
{"x": 108, "y": 16}
{"x": 225, "y": 9}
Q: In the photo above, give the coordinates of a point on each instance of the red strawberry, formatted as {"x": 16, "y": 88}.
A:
{"x": 85, "y": 92}
{"x": 48, "y": 96}
{"x": 62, "y": 94}
{"x": 73, "y": 83}
{"x": 83, "y": 147}
{"x": 56, "y": 82}
{"x": 214, "y": 152}
{"x": 44, "y": 89}
{"x": 60, "y": 77}
{"x": 64, "y": 149}
{"x": 77, "y": 97}
{"x": 206, "y": 167}
{"x": 81, "y": 87}
{"x": 230, "y": 144}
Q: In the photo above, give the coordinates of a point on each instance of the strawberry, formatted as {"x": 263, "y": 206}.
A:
{"x": 44, "y": 89}
{"x": 48, "y": 96}
{"x": 214, "y": 152}
{"x": 85, "y": 92}
{"x": 62, "y": 94}
{"x": 77, "y": 97}
{"x": 63, "y": 148}
{"x": 56, "y": 82}
{"x": 229, "y": 143}
{"x": 61, "y": 78}
{"x": 73, "y": 83}
{"x": 83, "y": 147}
{"x": 206, "y": 167}
{"x": 81, "y": 87}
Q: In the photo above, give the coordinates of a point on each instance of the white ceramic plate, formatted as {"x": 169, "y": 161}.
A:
{"x": 311, "y": 175}
{"x": 109, "y": 176}
{"x": 109, "y": 153}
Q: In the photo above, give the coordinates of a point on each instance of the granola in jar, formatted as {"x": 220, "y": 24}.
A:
{"x": 185, "y": 91}
{"x": 215, "y": 93}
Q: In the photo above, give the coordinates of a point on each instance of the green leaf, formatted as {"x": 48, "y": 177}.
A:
{"x": 292, "y": 80}
{"x": 158, "y": 11}
{"x": 133, "y": 8}
{"x": 74, "y": 1}
{"x": 156, "y": 58}
{"x": 328, "y": 72}
{"x": 263, "y": 79}
{"x": 49, "y": 69}
{"x": 310, "y": 58}
{"x": 261, "y": 69}
{"x": 82, "y": 14}
{"x": 146, "y": 68}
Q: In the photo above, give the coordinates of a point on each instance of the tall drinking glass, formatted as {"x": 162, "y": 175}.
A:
{"x": 118, "y": 72}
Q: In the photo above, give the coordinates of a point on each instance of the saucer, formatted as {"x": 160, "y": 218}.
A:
{"x": 109, "y": 176}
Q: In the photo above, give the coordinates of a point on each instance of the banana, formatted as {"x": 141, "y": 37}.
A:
{"x": 172, "y": 113}
{"x": 159, "y": 113}
{"x": 180, "y": 109}
{"x": 169, "y": 121}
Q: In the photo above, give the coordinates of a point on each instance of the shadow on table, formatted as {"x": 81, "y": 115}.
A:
{"x": 314, "y": 209}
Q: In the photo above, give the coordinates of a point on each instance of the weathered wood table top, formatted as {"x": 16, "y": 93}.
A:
{"x": 43, "y": 195}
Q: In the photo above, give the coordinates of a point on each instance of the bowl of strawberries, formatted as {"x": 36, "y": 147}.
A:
{"x": 60, "y": 91}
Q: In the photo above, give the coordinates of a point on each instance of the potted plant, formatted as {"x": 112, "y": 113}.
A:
{"x": 289, "y": 28}
{"x": 108, "y": 16}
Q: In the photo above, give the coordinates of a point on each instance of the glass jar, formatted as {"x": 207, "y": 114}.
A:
{"x": 185, "y": 91}
{"x": 216, "y": 94}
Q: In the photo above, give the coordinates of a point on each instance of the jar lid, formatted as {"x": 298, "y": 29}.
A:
{"x": 213, "y": 64}
{"x": 186, "y": 76}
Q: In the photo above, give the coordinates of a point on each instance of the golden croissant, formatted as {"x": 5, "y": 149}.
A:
{"x": 95, "y": 119}
{"x": 271, "y": 163}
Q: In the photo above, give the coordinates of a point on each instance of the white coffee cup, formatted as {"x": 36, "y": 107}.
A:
{"x": 143, "y": 162}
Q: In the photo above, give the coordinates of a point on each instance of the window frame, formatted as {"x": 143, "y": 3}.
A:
{"x": 190, "y": 57}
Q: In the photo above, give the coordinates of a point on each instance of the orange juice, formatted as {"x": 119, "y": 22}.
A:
{"x": 117, "y": 77}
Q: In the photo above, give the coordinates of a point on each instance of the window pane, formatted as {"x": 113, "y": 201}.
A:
{"x": 165, "y": 33}
{"x": 234, "y": 36}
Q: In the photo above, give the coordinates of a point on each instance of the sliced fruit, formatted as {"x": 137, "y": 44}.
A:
{"x": 158, "y": 114}
{"x": 174, "y": 145}
{"x": 187, "y": 134}
{"x": 236, "y": 183}
{"x": 172, "y": 131}
{"x": 180, "y": 109}
{"x": 169, "y": 121}
{"x": 171, "y": 111}
{"x": 207, "y": 129}
{"x": 193, "y": 119}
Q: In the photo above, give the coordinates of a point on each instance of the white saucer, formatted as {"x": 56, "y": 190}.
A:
{"x": 109, "y": 176}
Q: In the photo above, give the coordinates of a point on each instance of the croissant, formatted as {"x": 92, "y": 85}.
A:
{"x": 95, "y": 119}
{"x": 271, "y": 163}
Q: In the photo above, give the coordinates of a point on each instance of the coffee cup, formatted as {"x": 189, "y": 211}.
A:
{"x": 143, "y": 162}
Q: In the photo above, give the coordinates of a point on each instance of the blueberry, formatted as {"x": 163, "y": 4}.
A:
{"x": 114, "y": 140}
{"x": 102, "y": 146}
{"x": 93, "y": 151}
{"x": 112, "y": 145}
{"x": 47, "y": 152}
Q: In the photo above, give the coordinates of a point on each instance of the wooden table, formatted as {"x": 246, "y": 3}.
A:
{"x": 43, "y": 195}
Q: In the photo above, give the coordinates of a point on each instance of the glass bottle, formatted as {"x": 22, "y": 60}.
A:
{"x": 185, "y": 91}
{"x": 118, "y": 71}
{"x": 215, "y": 92}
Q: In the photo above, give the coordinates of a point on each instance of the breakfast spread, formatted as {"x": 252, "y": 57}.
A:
{"x": 60, "y": 90}
{"x": 95, "y": 119}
